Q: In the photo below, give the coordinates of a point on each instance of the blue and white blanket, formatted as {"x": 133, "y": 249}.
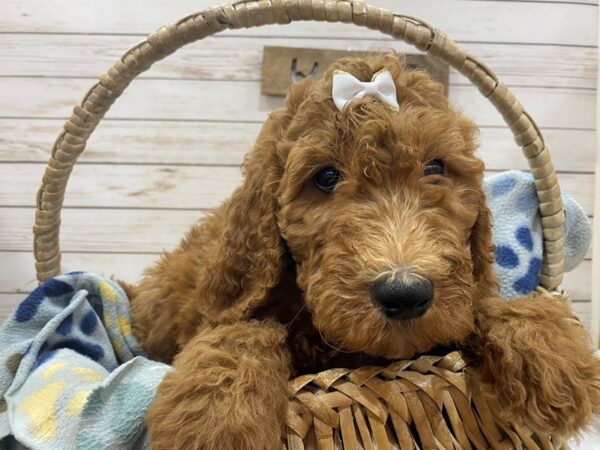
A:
{"x": 517, "y": 232}
{"x": 72, "y": 375}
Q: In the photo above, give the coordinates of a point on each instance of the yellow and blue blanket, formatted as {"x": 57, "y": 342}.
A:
{"x": 72, "y": 376}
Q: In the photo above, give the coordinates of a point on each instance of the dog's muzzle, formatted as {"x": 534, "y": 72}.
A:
{"x": 403, "y": 295}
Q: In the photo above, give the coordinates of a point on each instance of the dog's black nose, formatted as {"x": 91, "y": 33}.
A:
{"x": 403, "y": 296}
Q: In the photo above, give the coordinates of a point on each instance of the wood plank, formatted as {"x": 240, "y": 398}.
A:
{"x": 17, "y": 270}
{"x": 499, "y": 151}
{"x": 184, "y": 187}
{"x": 101, "y": 230}
{"x": 498, "y": 21}
{"x": 126, "y": 186}
{"x": 234, "y": 58}
{"x": 18, "y": 267}
{"x": 144, "y": 99}
{"x": 235, "y": 101}
{"x": 131, "y": 142}
{"x": 218, "y": 143}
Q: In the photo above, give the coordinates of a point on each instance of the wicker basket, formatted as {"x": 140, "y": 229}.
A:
{"x": 423, "y": 403}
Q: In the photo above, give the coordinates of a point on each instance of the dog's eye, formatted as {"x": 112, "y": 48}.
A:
{"x": 327, "y": 178}
{"x": 435, "y": 167}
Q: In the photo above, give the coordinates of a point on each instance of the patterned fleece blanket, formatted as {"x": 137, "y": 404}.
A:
{"x": 517, "y": 232}
{"x": 72, "y": 376}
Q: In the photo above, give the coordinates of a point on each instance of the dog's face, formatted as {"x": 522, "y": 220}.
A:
{"x": 382, "y": 213}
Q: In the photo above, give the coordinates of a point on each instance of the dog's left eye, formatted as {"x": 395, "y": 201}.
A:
{"x": 435, "y": 167}
{"x": 327, "y": 179}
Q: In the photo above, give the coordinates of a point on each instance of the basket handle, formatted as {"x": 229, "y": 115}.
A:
{"x": 249, "y": 13}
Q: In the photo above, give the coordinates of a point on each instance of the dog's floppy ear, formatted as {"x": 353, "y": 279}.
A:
{"x": 249, "y": 257}
{"x": 251, "y": 254}
{"x": 482, "y": 251}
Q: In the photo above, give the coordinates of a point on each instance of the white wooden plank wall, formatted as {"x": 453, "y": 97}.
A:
{"x": 171, "y": 147}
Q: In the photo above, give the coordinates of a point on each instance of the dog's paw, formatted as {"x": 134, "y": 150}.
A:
{"x": 538, "y": 363}
{"x": 228, "y": 391}
{"x": 197, "y": 425}
{"x": 220, "y": 412}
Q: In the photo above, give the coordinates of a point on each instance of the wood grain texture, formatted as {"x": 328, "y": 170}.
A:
{"x": 233, "y": 101}
{"x": 124, "y": 186}
{"x": 136, "y": 142}
{"x": 463, "y": 20}
{"x": 225, "y": 143}
{"x": 235, "y": 58}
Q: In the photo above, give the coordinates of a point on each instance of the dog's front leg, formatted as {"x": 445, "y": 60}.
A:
{"x": 228, "y": 391}
{"x": 533, "y": 357}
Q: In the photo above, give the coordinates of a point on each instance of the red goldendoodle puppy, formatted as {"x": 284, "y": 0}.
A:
{"x": 363, "y": 229}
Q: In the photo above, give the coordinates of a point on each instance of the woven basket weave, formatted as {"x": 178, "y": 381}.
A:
{"x": 423, "y": 403}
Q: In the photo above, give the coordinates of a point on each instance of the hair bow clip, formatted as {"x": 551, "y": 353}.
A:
{"x": 346, "y": 87}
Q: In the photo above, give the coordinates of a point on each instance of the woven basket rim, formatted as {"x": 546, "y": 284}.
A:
{"x": 87, "y": 115}
{"x": 364, "y": 397}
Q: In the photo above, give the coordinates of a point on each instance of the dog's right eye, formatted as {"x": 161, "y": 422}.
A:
{"x": 327, "y": 179}
{"x": 435, "y": 167}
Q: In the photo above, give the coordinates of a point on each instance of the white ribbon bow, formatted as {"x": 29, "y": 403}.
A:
{"x": 346, "y": 87}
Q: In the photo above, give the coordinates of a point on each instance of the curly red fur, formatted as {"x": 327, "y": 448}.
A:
{"x": 532, "y": 357}
{"x": 228, "y": 390}
{"x": 282, "y": 251}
